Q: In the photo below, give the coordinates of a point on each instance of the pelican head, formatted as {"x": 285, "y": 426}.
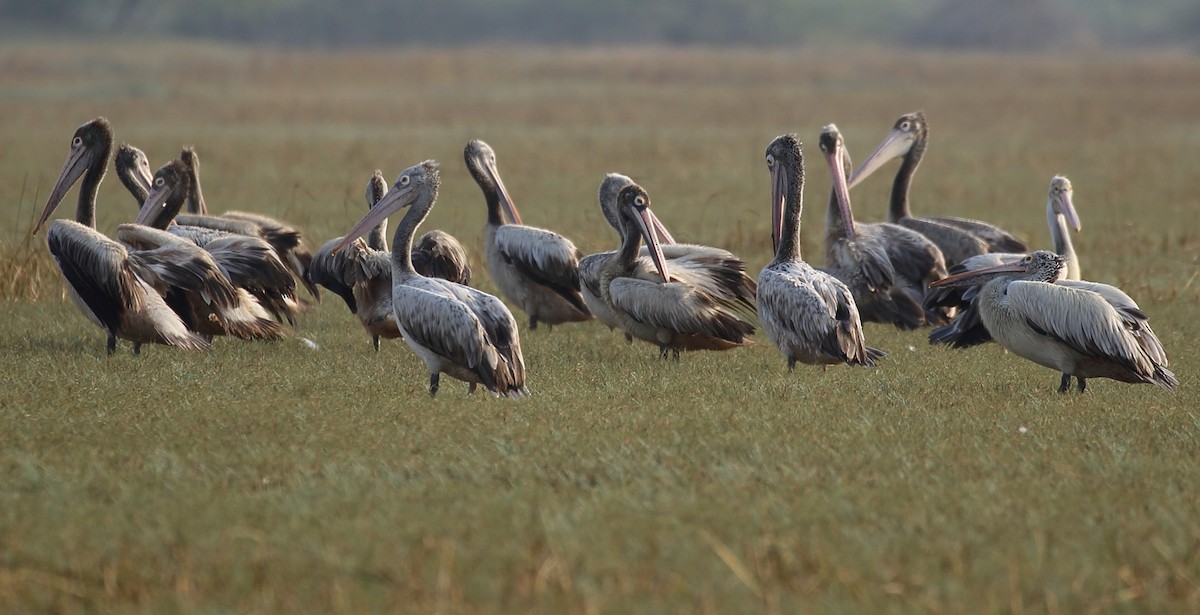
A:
{"x": 785, "y": 161}
{"x": 834, "y": 150}
{"x": 1040, "y": 266}
{"x": 91, "y": 143}
{"x": 191, "y": 160}
{"x": 418, "y": 182}
{"x": 171, "y": 184}
{"x": 481, "y": 162}
{"x": 376, "y": 188}
{"x": 633, "y": 209}
{"x": 906, "y": 132}
{"x": 1061, "y": 203}
{"x": 133, "y": 169}
{"x": 610, "y": 187}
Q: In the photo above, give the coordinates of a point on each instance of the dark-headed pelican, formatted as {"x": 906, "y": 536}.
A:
{"x": 967, "y": 330}
{"x": 1076, "y": 331}
{"x": 455, "y": 329}
{"x": 809, "y": 314}
{"x": 958, "y": 238}
{"x": 886, "y": 267}
{"x": 536, "y": 269}
{"x": 664, "y": 311}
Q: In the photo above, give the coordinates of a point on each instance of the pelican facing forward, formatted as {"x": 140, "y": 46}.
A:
{"x": 958, "y": 238}
{"x": 809, "y": 314}
{"x": 455, "y": 329}
{"x": 1073, "y": 330}
{"x": 534, "y": 268}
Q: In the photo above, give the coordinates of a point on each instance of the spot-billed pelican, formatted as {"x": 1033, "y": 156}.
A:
{"x": 958, "y": 238}
{"x": 887, "y": 267}
{"x": 1075, "y": 330}
{"x": 967, "y": 329}
{"x": 536, "y": 269}
{"x": 809, "y": 314}
{"x": 664, "y": 311}
{"x": 455, "y": 329}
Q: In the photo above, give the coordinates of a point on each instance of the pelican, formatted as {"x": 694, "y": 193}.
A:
{"x": 887, "y": 267}
{"x": 534, "y": 268}
{"x": 1076, "y": 331}
{"x": 249, "y": 262}
{"x": 967, "y": 330}
{"x": 958, "y": 238}
{"x": 672, "y": 314}
{"x": 120, "y": 291}
{"x": 455, "y": 329}
{"x": 809, "y": 314}
{"x": 133, "y": 169}
{"x": 716, "y": 272}
{"x": 286, "y": 240}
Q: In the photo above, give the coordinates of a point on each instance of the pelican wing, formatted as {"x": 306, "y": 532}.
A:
{"x": 199, "y": 235}
{"x": 677, "y": 307}
{"x": 816, "y": 309}
{"x": 437, "y": 254}
{"x": 913, "y": 256}
{"x": 178, "y": 263}
{"x": 545, "y": 257}
{"x": 996, "y": 238}
{"x": 337, "y": 272}
{"x": 955, "y": 243}
{"x": 1081, "y": 319}
{"x": 97, "y": 268}
{"x": 713, "y": 271}
{"x": 217, "y": 223}
{"x": 502, "y": 333}
{"x": 1134, "y": 319}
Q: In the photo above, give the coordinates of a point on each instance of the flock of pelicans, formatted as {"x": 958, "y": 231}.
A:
{"x": 179, "y": 279}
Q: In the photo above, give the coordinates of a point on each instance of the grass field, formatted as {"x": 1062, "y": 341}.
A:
{"x": 268, "y": 477}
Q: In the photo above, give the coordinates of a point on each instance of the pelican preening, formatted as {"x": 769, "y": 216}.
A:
{"x": 665, "y": 311}
{"x": 455, "y": 329}
{"x": 717, "y": 273}
{"x": 887, "y": 267}
{"x": 958, "y": 238}
{"x": 966, "y": 329}
{"x": 1085, "y": 332}
{"x": 809, "y": 314}
{"x": 534, "y": 268}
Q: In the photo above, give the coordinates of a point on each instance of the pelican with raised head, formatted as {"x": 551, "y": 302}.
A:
{"x": 887, "y": 267}
{"x": 455, "y": 329}
{"x": 119, "y": 290}
{"x": 967, "y": 329}
{"x": 1076, "y": 331}
{"x": 809, "y": 314}
{"x": 958, "y": 238}
{"x": 664, "y": 311}
{"x": 536, "y": 269}
{"x": 716, "y": 272}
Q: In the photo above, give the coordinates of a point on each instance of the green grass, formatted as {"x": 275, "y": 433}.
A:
{"x": 269, "y": 477}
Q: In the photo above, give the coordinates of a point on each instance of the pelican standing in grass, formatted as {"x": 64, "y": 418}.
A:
{"x": 808, "y": 314}
{"x": 455, "y": 329}
{"x": 717, "y": 272}
{"x": 967, "y": 329}
{"x": 887, "y": 267}
{"x": 958, "y": 238}
{"x": 534, "y": 268}
{"x": 121, "y": 291}
{"x": 664, "y": 311}
{"x": 1073, "y": 330}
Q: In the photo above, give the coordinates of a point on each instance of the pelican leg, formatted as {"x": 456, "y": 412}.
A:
{"x": 111, "y": 346}
{"x": 675, "y": 354}
{"x": 1065, "y": 384}
{"x": 137, "y": 348}
{"x": 1082, "y": 384}
{"x": 375, "y": 342}
{"x": 471, "y": 389}
{"x": 791, "y": 364}
{"x": 533, "y": 323}
{"x": 628, "y": 338}
{"x": 662, "y": 352}
{"x": 433, "y": 383}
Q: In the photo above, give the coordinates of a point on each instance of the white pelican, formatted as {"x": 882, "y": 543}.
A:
{"x": 534, "y": 268}
{"x": 958, "y": 238}
{"x": 887, "y": 267}
{"x": 672, "y": 314}
{"x": 809, "y": 314}
{"x": 966, "y": 329}
{"x": 455, "y": 329}
{"x": 122, "y": 292}
{"x": 1075, "y": 330}
{"x": 717, "y": 272}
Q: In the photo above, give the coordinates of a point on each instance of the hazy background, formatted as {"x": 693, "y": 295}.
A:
{"x": 1016, "y": 25}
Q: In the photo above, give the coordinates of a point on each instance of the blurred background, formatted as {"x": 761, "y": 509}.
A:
{"x": 1005, "y": 25}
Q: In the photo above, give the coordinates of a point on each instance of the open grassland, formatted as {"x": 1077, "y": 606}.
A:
{"x": 273, "y": 477}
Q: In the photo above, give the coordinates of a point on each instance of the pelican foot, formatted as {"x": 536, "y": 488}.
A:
{"x": 433, "y": 383}
{"x": 137, "y": 348}
{"x": 375, "y": 342}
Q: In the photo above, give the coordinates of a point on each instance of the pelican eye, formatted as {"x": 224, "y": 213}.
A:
{"x": 770, "y": 160}
{"x": 640, "y": 201}
{"x": 403, "y": 180}
{"x": 905, "y": 125}
{"x": 158, "y": 181}
{"x": 76, "y": 142}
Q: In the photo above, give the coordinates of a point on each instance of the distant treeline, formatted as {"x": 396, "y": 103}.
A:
{"x": 996, "y": 24}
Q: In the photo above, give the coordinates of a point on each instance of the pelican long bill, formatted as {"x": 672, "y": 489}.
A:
{"x": 397, "y": 198}
{"x": 897, "y": 143}
{"x": 834, "y": 159}
{"x": 74, "y": 168}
